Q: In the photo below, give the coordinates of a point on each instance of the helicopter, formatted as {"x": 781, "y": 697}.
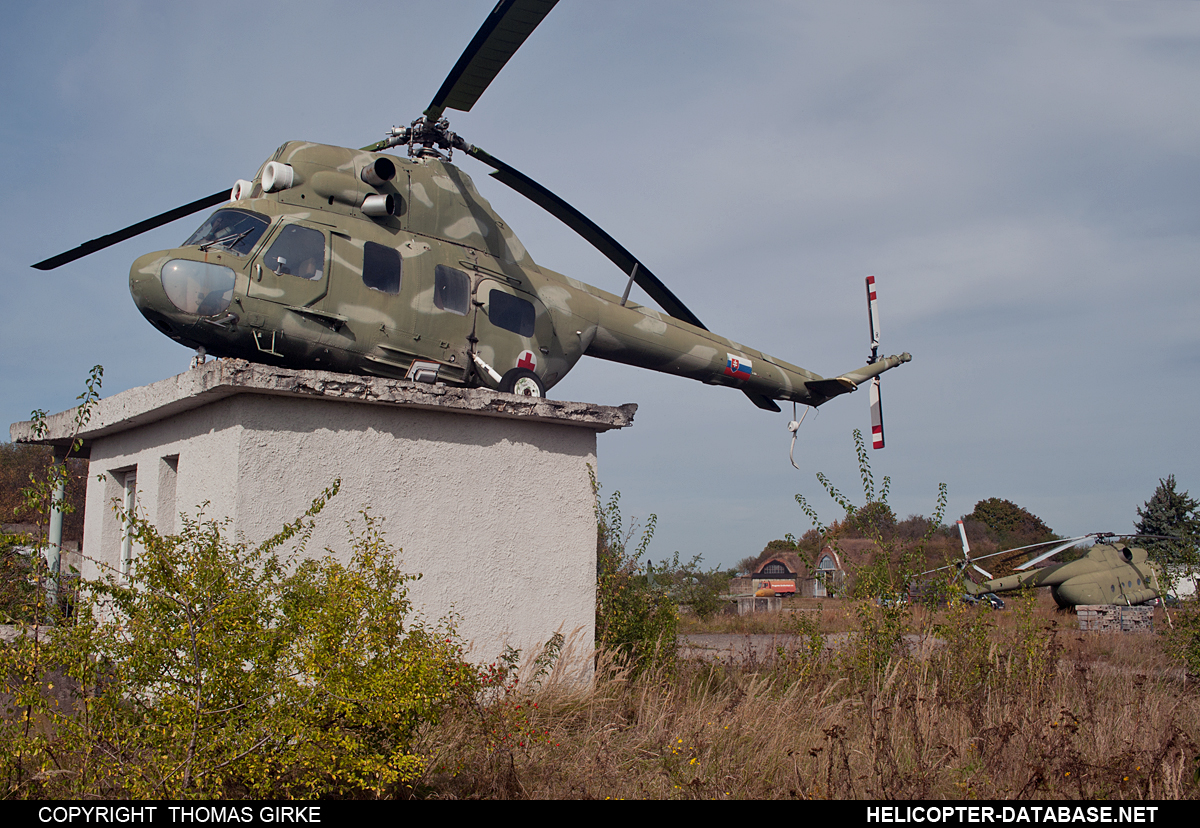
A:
{"x": 360, "y": 261}
{"x": 1110, "y": 572}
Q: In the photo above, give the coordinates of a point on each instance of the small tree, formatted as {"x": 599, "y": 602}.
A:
{"x": 1177, "y": 515}
{"x": 1009, "y": 524}
{"x": 635, "y": 615}
{"x": 885, "y": 579}
{"x": 18, "y": 580}
{"x": 894, "y": 568}
{"x": 50, "y": 486}
{"x": 747, "y": 565}
{"x": 1174, "y": 514}
{"x": 22, "y": 464}
{"x": 689, "y": 585}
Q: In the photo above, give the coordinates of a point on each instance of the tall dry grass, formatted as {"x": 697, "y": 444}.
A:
{"x": 972, "y": 705}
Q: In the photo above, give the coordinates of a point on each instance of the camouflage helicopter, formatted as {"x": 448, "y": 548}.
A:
{"x": 359, "y": 261}
{"x": 1110, "y": 572}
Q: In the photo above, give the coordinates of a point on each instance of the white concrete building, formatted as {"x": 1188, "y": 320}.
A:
{"x": 487, "y": 494}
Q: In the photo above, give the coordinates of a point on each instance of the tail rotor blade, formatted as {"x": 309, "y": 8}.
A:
{"x": 873, "y": 316}
{"x": 962, "y": 531}
{"x": 876, "y": 402}
{"x": 876, "y": 415}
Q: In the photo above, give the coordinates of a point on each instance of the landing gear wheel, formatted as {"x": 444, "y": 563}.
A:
{"x": 523, "y": 382}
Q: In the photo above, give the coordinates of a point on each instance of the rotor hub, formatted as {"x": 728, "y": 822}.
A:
{"x": 425, "y": 137}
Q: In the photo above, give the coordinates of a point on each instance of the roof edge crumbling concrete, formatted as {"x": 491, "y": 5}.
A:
{"x": 218, "y": 379}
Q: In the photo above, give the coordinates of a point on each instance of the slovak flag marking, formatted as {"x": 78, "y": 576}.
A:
{"x": 738, "y": 367}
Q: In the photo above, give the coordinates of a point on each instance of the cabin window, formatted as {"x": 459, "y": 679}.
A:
{"x": 451, "y": 290}
{"x": 233, "y": 230}
{"x": 381, "y": 268}
{"x": 298, "y": 251}
{"x": 511, "y": 313}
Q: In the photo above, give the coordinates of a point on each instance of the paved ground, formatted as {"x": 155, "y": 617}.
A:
{"x": 765, "y": 647}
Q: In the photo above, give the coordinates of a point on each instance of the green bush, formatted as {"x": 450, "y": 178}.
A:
{"x": 636, "y": 617}
{"x": 223, "y": 669}
{"x": 1183, "y": 638}
{"x": 18, "y": 580}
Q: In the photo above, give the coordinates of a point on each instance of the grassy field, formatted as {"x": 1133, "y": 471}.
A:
{"x": 958, "y": 704}
{"x": 835, "y": 699}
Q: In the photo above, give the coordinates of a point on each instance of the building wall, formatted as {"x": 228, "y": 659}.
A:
{"x": 496, "y": 514}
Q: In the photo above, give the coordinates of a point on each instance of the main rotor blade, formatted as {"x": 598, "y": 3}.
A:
{"x": 591, "y": 232}
{"x": 90, "y": 247}
{"x": 971, "y": 562}
{"x": 1051, "y": 553}
{"x": 606, "y": 244}
{"x": 1044, "y": 543}
{"x": 496, "y": 41}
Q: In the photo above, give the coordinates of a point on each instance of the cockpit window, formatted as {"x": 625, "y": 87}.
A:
{"x": 298, "y": 251}
{"x": 233, "y": 230}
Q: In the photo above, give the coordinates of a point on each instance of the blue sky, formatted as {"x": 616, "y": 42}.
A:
{"x": 1022, "y": 178}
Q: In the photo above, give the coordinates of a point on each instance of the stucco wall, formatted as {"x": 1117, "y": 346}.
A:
{"x": 496, "y": 514}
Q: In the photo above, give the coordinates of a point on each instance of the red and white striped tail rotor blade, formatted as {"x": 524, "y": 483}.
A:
{"x": 876, "y": 415}
{"x": 873, "y": 314}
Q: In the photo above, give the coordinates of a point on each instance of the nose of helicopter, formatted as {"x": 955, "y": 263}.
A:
{"x": 145, "y": 286}
{"x": 174, "y": 292}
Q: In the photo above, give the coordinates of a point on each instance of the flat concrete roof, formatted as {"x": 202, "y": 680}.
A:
{"x": 221, "y": 378}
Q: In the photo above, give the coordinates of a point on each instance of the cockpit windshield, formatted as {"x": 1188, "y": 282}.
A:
{"x": 234, "y": 230}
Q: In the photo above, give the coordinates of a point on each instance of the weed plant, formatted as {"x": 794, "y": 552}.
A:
{"x": 869, "y": 698}
{"x": 983, "y": 705}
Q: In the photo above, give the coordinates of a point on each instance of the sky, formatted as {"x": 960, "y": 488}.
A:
{"x": 1022, "y": 178}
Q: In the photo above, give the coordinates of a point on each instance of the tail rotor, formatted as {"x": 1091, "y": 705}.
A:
{"x": 876, "y": 401}
{"x": 962, "y": 531}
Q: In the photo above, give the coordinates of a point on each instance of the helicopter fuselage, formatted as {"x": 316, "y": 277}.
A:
{"x": 354, "y": 261}
{"x": 1107, "y": 574}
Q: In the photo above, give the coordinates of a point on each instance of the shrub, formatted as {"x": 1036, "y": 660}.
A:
{"x": 636, "y": 619}
{"x": 224, "y": 669}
